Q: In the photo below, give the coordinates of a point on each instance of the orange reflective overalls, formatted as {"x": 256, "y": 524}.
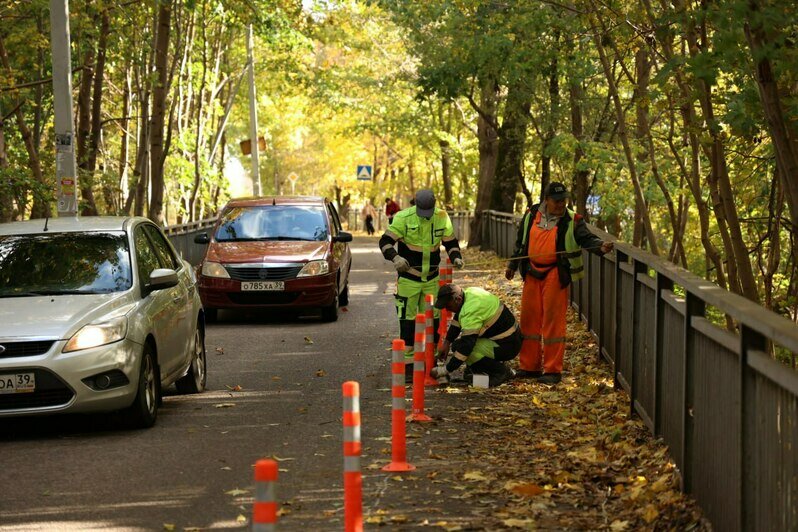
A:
{"x": 544, "y": 304}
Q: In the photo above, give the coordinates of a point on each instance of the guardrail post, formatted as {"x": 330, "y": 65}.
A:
{"x": 694, "y": 306}
{"x": 620, "y": 257}
{"x": 639, "y": 268}
{"x": 750, "y": 340}
{"x": 663, "y": 283}
{"x": 601, "y": 331}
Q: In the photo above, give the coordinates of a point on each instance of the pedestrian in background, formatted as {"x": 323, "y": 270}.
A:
{"x": 417, "y": 232}
{"x": 391, "y": 208}
{"x": 369, "y": 214}
{"x": 552, "y": 237}
{"x": 483, "y": 334}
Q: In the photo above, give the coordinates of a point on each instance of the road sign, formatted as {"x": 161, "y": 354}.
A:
{"x": 364, "y": 172}
{"x": 292, "y": 177}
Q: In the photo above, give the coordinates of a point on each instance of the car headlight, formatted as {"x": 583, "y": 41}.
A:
{"x": 314, "y": 267}
{"x": 97, "y": 334}
{"x": 214, "y": 269}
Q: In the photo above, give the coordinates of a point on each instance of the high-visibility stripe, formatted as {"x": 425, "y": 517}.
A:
{"x": 505, "y": 334}
{"x": 398, "y": 380}
{"x": 466, "y": 332}
{"x": 455, "y": 323}
{"x": 488, "y": 324}
{"x": 264, "y": 491}
{"x": 351, "y": 464}
{"x": 418, "y": 365}
{"x": 577, "y": 270}
{"x": 398, "y": 403}
{"x": 391, "y": 234}
{"x": 549, "y": 341}
{"x": 352, "y": 433}
{"x": 386, "y": 247}
{"x": 351, "y": 404}
{"x": 460, "y": 356}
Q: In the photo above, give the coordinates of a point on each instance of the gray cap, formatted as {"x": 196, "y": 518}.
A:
{"x": 425, "y": 203}
{"x": 556, "y": 191}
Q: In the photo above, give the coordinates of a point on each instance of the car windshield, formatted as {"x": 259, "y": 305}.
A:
{"x": 64, "y": 263}
{"x": 273, "y": 222}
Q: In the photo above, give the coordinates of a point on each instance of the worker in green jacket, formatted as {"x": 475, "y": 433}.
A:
{"x": 418, "y": 233}
{"x": 483, "y": 334}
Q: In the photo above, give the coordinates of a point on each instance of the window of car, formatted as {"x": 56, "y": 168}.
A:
{"x": 64, "y": 263}
{"x": 333, "y": 225}
{"x": 165, "y": 255}
{"x": 273, "y": 222}
{"x": 146, "y": 258}
{"x": 336, "y": 218}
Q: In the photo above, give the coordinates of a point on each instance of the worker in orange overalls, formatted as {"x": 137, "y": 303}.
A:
{"x": 552, "y": 237}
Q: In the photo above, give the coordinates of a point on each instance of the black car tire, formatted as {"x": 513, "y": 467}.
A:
{"x": 343, "y": 299}
{"x": 195, "y": 378}
{"x": 144, "y": 410}
{"x": 330, "y": 312}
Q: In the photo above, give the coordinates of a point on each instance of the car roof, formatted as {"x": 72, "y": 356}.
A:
{"x": 69, "y": 225}
{"x": 275, "y": 200}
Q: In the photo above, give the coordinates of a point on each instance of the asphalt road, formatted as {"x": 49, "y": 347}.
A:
{"x": 194, "y": 468}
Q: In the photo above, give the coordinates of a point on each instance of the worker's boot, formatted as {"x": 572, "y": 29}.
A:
{"x": 550, "y": 378}
{"x": 499, "y": 375}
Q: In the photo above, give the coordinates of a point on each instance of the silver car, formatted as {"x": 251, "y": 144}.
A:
{"x": 96, "y": 315}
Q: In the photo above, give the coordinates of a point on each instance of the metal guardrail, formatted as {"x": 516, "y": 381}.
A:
{"x": 726, "y": 409}
{"x": 182, "y": 238}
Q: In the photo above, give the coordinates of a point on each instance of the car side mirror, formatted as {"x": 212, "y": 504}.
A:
{"x": 343, "y": 237}
{"x": 161, "y": 278}
{"x": 202, "y": 238}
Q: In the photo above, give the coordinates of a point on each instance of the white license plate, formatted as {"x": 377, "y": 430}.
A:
{"x": 17, "y": 383}
{"x": 254, "y": 286}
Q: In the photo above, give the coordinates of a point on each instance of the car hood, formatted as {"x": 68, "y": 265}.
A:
{"x": 54, "y": 316}
{"x": 271, "y": 251}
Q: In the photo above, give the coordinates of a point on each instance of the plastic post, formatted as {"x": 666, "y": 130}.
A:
{"x": 418, "y": 370}
{"x": 353, "y": 479}
{"x": 264, "y": 509}
{"x": 398, "y": 436}
{"x": 429, "y": 342}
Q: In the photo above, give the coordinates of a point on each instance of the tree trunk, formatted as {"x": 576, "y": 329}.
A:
{"x": 488, "y": 149}
{"x": 619, "y": 111}
{"x": 783, "y": 133}
{"x": 124, "y": 145}
{"x": 96, "y": 109}
{"x": 157, "y": 152}
{"x": 41, "y": 203}
{"x": 511, "y": 146}
{"x": 553, "y": 119}
{"x": 581, "y": 173}
{"x": 86, "y": 177}
{"x": 6, "y": 201}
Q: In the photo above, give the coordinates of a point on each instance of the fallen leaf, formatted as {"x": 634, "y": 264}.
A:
{"x": 224, "y": 405}
{"x": 241, "y": 518}
{"x": 226, "y": 468}
{"x": 168, "y": 526}
{"x": 236, "y": 492}
{"x": 474, "y": 475}
{"x": 236, "y": 388}
{"x": 278, "y": 459}
{"x": 321, "y": 373}
{"x": 650, "y": 513}
{"x": 527, "y": 490}
{"x": 308, "y": 340}
{"x": 619, "y": 525}
{"x": 220, "y": 350}
{"x": 519, "y": 523}
{"x": 344, "y": 309}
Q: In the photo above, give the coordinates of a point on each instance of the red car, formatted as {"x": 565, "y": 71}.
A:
{"x": 276, "y": 252}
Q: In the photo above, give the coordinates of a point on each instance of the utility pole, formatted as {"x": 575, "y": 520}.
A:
{"x": 253, "y": 116}
{"x": 65, "y": 164}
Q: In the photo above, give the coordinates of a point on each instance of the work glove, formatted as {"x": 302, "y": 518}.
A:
{"x": 440, "y": 373}
{"x": 401, "y": 264}
{"x": 458, "y": 263}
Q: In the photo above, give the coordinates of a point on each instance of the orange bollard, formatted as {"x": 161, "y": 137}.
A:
{"x": 429, "y": 343}
{"x": 443, "y": 278}
{"x": 398, "y": 436}
{"x": 264, "y": 510}
{"x": 418, "y": 371}
{"x": 353, "y": 480}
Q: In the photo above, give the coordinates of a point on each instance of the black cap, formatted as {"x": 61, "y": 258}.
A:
{"x": 556, "y": 191}
{"x": 445, "y": 294}
{"x": 425, "y": 203}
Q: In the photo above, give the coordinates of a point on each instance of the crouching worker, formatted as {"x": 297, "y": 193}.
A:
{"x": 483, "y": 333}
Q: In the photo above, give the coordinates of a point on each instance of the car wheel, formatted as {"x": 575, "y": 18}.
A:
{"x": 194, "y": 379}
{"x": 144, "y": 410}
{"x": 330, "y": 313}
{"x": 211, "y": 314}
{"x": 343, "y": 299}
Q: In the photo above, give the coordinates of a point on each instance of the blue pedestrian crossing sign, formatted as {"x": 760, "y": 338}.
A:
{"x": 363, "y": 172}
